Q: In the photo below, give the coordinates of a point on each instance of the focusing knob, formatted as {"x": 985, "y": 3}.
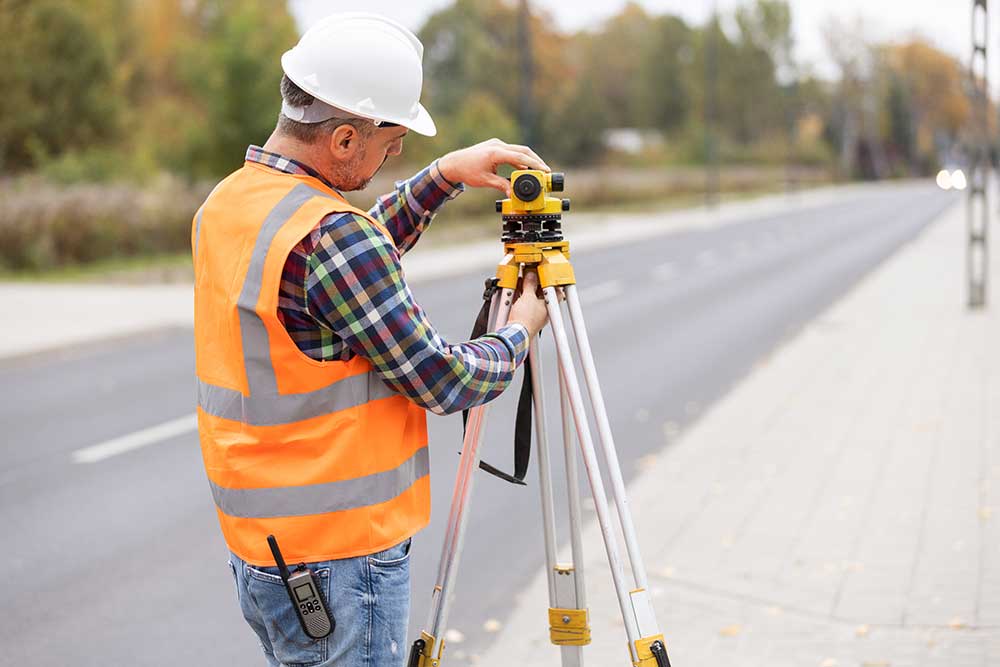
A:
{"x": 527, "y": 187}
{"x": 558, "y": 180}
{"x": 565, "y": 204}
{"x": 499, "y": 206}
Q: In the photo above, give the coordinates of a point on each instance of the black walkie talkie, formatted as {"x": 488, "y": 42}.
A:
{"x": 306, "y": 597}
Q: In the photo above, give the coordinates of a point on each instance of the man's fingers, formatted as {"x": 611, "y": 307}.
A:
{"x": 498, "y": 182}
{"x": 530, "y": 153}
{"x": 520, "y": 160}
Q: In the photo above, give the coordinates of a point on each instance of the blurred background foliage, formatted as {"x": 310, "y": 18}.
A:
{"x": 164, "y": 96}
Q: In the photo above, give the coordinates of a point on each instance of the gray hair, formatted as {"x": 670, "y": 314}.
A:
{"x": 310, "y": 132}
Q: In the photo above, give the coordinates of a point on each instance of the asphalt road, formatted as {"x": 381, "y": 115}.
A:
{"x": 120, "y": 561}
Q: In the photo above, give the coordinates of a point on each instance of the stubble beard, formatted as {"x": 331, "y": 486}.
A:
{"x": 347, "y": 179}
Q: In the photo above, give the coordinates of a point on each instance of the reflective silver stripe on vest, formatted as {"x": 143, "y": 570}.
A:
{"x": 197, "y": 229}
{"x": 285, "y": 501}
{"x": 274, "y": 410}
{"x": 265, "y": 406}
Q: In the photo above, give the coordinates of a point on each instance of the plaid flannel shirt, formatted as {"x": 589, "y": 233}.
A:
{"x": 343, "y": 293}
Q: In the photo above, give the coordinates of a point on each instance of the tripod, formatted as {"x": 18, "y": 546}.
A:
{"x": 533, "y": 242}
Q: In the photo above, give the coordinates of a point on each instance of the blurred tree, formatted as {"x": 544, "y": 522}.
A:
{"x": 57, "y": 81}
{"x": 767, "y": 26}
{"x": 636, "y": 62}
{"x": 933, "y": 80}
{"x": 230, "y": 69}
{"x": 664, "y": 95}
{"x": 471, "y": 53}
{"x": 851, "y": 51}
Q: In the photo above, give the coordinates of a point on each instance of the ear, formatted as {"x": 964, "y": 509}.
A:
{"x": 344, "y": 142}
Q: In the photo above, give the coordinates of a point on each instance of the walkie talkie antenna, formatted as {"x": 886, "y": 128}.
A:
{"x": 279, "y": 561}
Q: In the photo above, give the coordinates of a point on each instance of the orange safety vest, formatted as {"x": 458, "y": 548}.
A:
{"x": 321, "y": 454}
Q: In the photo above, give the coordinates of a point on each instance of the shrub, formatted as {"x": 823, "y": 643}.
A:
{"x": 43, "y": 225}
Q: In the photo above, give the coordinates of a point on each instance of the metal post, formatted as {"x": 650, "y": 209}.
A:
{"x": 711, "y": 102}
{"x": 977, "y": 209}
{"x": 526, "y": 97}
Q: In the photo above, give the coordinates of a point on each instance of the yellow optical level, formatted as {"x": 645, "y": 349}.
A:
{"x": 529, "y": 188}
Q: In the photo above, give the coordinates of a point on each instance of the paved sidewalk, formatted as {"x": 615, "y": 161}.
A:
{"x": 840, "y": 507}
{"x": 58, "y": 315}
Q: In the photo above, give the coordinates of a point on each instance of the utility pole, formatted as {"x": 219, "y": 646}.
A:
{"x": 711, "y": 102}
{"x": 977, "y": 209}
{"x": 526, "y": 101}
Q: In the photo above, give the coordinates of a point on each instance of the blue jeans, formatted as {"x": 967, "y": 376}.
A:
{"x": 368, "y": 596}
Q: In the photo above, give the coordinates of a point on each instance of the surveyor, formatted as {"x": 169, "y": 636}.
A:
{"x": 315, "y": 365}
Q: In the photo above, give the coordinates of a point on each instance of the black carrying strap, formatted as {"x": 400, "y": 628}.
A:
{"x": 522, "y": 423}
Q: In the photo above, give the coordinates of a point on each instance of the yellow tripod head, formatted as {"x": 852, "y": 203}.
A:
{"x": 532, "y": 229}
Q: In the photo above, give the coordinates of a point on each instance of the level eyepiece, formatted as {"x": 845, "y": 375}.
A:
{"x": 527, "y": 187}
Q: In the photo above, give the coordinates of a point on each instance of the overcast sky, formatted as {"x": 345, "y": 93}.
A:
{"x": 944, "y": 22}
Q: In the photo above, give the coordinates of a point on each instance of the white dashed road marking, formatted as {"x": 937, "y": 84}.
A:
{"x": 147, "y": 436}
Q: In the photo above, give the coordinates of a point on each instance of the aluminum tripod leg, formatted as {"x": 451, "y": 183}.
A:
{"x": 640, "y": 595}
{"x": 455, "y": 532}
{"x": 646, "y": 644}
{"x": 572, "y": 386}
{"x": 568, "y": 617}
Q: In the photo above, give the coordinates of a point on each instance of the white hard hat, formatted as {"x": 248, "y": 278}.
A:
{"x": 365, "y": 64}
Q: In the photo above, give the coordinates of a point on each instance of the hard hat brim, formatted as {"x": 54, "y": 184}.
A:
{"x": 423, "y": 123}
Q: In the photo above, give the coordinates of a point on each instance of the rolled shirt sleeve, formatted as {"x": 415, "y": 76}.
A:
{"x": 408, "y": 210}
{"x": 355, "y": 286}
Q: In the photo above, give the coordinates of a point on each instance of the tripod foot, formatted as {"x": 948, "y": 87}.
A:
{"x": 422, "y": 652}
{"x": 652, "y": 652}
{"x": 660, "y": 653}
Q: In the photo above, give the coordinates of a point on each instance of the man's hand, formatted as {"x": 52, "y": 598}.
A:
{"x": 476, "y": 166}
{"x": 529, "y": 305}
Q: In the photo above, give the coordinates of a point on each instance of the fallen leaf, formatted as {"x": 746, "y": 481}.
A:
{"x": 862, "y": 631}
{"x": 731, "y": 630}
{"x": 956, "y": 623}
{"x": 646, "y": 462}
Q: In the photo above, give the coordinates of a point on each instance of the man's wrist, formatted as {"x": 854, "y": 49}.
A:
{"x": 517, "y": 337}
{"x": 442, "y": 165}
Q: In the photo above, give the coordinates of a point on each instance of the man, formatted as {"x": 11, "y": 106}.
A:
{"x": 315, "y": 365}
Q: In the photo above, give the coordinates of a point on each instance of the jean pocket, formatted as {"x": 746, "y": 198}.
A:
{"x": 236, "y": 579}
{"x": 289, "y": 642}
{"x": 395, "y": 556}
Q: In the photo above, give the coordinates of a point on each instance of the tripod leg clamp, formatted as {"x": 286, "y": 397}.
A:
{"x": 652, "y": 652}
{"x": 422, "y": 652}
{"x": 569, "y": 627}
